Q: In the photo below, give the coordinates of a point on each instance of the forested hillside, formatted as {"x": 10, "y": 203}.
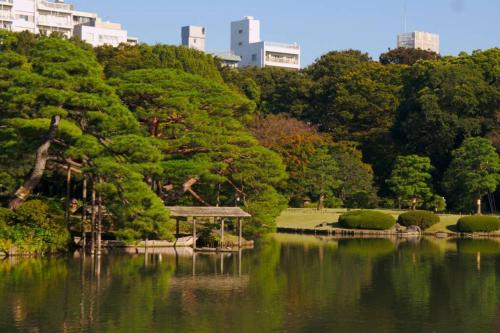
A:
{"x": 411, "y": 104}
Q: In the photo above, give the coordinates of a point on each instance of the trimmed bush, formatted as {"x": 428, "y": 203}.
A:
{"x": 478, "y": 224}
{"x": 366, "y": 219}
{"x": 420, "y": 218}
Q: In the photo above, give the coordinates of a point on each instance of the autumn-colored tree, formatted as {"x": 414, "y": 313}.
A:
{"x": 296, "y": 142}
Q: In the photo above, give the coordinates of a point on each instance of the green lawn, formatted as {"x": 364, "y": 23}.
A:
{"x": 303, "y": 218}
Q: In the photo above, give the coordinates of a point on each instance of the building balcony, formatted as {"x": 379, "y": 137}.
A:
{"x": 54, "y": 22}
{"x": 283, "y": 45}
{"x": 7, "y": 2}
{"x": 6, "y": 16}
{"x": 282, "y": 59}
{"x": 52, "y": 6}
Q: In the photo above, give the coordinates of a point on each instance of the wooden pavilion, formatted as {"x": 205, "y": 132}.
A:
{"x": 218, "y": 213}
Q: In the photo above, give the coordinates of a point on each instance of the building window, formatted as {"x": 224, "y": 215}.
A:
{"x": 254, "y": 57}
{"x": 240, "y": 43}
{"x": 194, "y": 41}
{"x": 240, "y": 31}
{"x": 23, "y": 17}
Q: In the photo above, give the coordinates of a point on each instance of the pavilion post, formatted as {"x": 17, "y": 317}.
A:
{"x": 194, "y": 263}
{"x": 239, "y": 232}
{"x": 177, "y": 233}
{"x": 222, "y": 264}
{"x": 194, "y": 233}
{"x": 239, "y": 262}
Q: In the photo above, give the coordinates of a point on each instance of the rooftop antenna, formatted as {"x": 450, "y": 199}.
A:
{"x": 405, "y": 16}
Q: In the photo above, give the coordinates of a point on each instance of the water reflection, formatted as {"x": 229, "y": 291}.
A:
{"x": 288, "y": 284}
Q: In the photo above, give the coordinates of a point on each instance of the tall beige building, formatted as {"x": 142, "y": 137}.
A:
{"x": 419, "y": 40}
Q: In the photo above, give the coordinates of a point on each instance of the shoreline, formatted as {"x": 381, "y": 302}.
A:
{"x": 360, "y": 233}
{"x": 309, "y": 221}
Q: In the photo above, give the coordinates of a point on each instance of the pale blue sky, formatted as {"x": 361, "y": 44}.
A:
{"x": 317, "y": 25}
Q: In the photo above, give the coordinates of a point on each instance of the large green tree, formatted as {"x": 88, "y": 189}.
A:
{"x": 410, "y": 180}
{"x": 321, "y": 176}
{"x": 208, "y": 155}
{"x": 356, "y": 189}
{"x": 58, "y": 111}
{"x": 474, "y": 172}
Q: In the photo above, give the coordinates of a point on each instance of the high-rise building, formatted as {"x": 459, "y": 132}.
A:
{"x": 46, "y": 17}
{"x": 194, "y": 37}
{"x": 246, "y": 43}
{"x": 419, "y": 40}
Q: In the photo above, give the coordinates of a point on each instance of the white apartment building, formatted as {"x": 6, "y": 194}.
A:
{"x": 97, "y": 32}
{"x": 246, "y": 43}
{"x": 46, "y": 17}
{"x": 419, "y": 40}
{"x": 194, "y": 37}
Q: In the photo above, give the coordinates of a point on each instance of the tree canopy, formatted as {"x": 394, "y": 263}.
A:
{"x": 407, "y": 56}
{"x": 410, "y": 180}
{"x": 474, "y": 172}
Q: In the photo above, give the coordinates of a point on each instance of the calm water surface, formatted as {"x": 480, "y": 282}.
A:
{"x": 288, "y": 284}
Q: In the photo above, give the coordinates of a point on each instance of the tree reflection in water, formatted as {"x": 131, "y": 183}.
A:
{"x": 289, "y": 283}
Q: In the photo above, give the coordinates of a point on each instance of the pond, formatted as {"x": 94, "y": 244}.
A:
{"x": 288, "y": 283}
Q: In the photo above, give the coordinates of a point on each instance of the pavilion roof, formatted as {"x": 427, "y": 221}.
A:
{"x": 207, "y": 212}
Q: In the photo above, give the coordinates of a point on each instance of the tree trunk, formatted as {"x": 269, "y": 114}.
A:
{"x": 321, "y": 203}
{"x": 84, "y": 212}
{"x": 153, "y": 126}
{"x": 36, "y": 174}
{"x": 68, "y": 195}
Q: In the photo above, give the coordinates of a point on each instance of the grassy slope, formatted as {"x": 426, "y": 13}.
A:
{"x": 310, "y": 218}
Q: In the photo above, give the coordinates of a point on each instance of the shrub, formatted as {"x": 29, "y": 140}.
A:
{"x": 5, "y": 242}
{"x": 422, "y": 219}
{"x": 364, "y": 219}
{"x": 478, "y": 224}
{"x": 5, "y": 215}
{"x": 32, "y": 229}
{"x": 33, "y": 213}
